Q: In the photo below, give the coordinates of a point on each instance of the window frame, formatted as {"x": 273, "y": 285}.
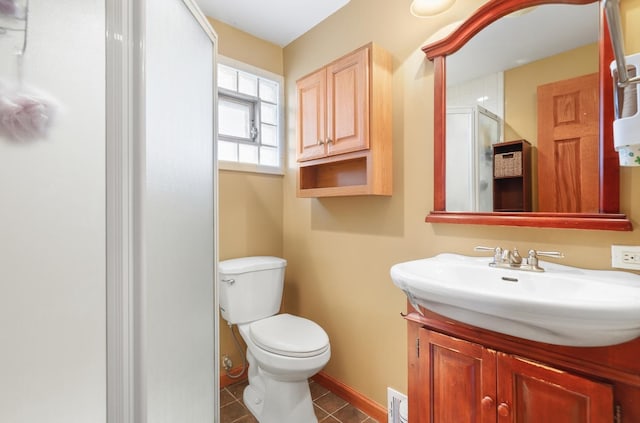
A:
{"x": 222, "y": 92}
{"x": 253, "y": 107}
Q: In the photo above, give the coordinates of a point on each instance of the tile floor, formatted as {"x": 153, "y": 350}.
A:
{"x": 329, "y": 407}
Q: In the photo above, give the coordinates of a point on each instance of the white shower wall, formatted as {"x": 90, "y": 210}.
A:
{"x": 486, "y": 91}
{"x": 52, "y": 226}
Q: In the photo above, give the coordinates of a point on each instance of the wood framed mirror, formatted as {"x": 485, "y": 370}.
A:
{"x": 604, "y": 214}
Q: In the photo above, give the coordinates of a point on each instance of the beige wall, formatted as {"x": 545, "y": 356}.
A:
{"x": 248, "y": 49}
{"x": 250, "y": 216}
{"x": 340, "y": 249}
{"x": 521, "y": 84}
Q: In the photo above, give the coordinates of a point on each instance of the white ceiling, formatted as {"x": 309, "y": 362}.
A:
{"x": 277, "y": 21}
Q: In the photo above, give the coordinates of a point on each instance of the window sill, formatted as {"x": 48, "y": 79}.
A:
{"x": 250, "y": 168}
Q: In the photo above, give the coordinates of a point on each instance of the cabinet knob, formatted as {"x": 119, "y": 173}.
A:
{"x": 487, "y": 402}
{"x": 503, "y": 409}
{"x": 329, "y": 141}
{"x": 320, "y": 142}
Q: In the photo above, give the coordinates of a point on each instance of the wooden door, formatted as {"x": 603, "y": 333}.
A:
{"x": 458, "y": 378}
{"x": 348, "y": 103}
{"x": 529, "y": 392}
{"x": 568, "y": 145}
{"x": 312, "y": 109}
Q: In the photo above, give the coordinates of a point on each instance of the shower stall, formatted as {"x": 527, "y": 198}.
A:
{"x": 471, "y": 132}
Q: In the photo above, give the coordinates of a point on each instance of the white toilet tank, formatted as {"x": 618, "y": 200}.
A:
{"x": 250, "y": 288}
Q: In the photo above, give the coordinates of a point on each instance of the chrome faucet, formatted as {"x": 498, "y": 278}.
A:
{"x": 511, "y": 259}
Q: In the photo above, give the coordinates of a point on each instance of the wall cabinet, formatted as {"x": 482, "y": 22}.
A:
{"x": 334, "y": 108}
{"x": 466, "y": 382}
{"x": 461, "y": 373}
{"x": 344, "y": 126}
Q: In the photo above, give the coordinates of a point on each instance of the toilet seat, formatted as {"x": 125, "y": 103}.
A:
{"x": 290, "y": 336}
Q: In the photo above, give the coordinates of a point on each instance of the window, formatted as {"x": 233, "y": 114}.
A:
{"x": 250, "y": 116}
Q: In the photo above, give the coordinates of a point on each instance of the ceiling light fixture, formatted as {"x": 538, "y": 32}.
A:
{"x": 426, "y": 8}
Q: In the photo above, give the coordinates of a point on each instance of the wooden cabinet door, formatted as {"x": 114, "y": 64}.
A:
{"x": 348, "y": 103}
{"x": 459, "y": 380}
{"x": 312, "y": 110}
{"x": 530, "y": 392}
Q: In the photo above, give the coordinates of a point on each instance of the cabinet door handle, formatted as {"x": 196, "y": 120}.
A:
{"x": 487, "y": 402}
{"x": 503, "y": 409}
{"x": 329, "y": 141}
{"x": 320, "y": 142}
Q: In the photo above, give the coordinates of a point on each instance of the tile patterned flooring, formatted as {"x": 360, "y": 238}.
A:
{"x": 329, "y": 407}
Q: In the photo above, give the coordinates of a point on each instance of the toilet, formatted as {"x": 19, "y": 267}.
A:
{"x": 283, "y": 350}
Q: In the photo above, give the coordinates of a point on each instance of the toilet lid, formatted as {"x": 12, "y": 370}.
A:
{"x": 289, "y": 335}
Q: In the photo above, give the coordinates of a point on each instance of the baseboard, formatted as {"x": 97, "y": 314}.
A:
{"x": 355, "y": 398}
{"x": 225, "y": 380}
{"x": 362, "y": 403}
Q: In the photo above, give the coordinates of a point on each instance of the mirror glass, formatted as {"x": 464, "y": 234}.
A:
{"x": 522, "y": 114}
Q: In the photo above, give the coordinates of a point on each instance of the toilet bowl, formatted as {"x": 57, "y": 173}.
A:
{"x": 283, "y": 350}
{"x": 279, "y": 366}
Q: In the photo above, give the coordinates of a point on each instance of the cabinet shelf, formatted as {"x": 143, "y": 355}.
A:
{"x": 512, "y": 176}
{"x": 334, "y": 178}
{"x": 507, "y": 177}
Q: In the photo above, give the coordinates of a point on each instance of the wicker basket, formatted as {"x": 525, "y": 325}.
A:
{"x": 507, "y": 164}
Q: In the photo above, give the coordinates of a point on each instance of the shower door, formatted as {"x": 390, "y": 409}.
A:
{"x": 161, "y": 217}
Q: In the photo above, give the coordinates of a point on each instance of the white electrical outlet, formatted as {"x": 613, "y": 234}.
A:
{"x": 393, "y": 404}
{"x": 625, "y": 256}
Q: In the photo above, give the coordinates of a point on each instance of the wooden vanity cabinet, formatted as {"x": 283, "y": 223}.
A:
{"x": 466, "y": 382}
{"x": 457, "y": 379}
{"x": 344, "y": 126}
{"x": 459, "y": 373}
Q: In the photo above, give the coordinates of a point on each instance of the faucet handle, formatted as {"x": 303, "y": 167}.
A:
{"x": 555, "y": 254}
{"x": 497, "y": 252}
{"x": 532, "y": 260}
{"x": 482, "y": 248}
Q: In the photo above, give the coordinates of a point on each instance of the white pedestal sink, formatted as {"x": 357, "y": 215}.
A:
{"x": 564, "y": 305}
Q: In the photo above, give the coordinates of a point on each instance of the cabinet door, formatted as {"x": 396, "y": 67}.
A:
{"x": 312, "y": 109}
{"x": 459, "y": 380}
{"x": 529, "y": 392}
{"x": 348, "y": 103}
